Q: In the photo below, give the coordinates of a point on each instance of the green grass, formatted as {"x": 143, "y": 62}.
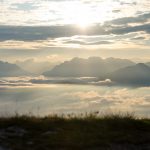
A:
{"x": 89, "y": 132}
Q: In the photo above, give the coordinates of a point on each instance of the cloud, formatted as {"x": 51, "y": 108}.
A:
{"x": 41, "y": 80}
{"x": 86, "y": 95}
{"x": 70, "y": 98}
{"x": 56, "y": 25}
{"x": 33, "y": 81}
{"x": 138, "y": 38}
{"x": 126, "y": 20}
{"x": 106, "y": 82}
{"x": 131, "y": 29}
{"x": 12, "y": 82}
{"x": 25, "y": 6}
{"x": 117, "y": 99}
{"x": 27, "y": 33}
{"x": 92, "y": 99}
{"x": 63, "y": 35}
{"x": 89, "y": 43}
{"x": 44, "y": 12}
{"x": 71, "y": 80}
{"x": 116, "y": 10}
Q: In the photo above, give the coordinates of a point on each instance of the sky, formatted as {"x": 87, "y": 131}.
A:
{"x": 45, "y": 33}
{"x": 56, "y": 30}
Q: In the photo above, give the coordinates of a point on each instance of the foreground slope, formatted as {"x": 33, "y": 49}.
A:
{"x": 88, "y": 133}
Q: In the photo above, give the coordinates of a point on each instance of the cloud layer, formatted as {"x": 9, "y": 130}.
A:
{"x": 115, "y": 25}
{"x": 43, "y": 99}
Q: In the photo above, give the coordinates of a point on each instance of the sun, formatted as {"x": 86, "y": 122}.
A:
{"x": 83, "y": 24}
{"x": 78, "y": 14}
{"x": 84, "y": 15}
{"x": 82, "y": 20}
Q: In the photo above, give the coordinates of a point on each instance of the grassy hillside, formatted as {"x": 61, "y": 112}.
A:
{"x": 89, "y": 132}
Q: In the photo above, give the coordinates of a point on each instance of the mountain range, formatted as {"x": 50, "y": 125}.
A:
{"x": 91, "y": 67}
{"x": 11, "y": 70}
{"x": 121, "y": 71}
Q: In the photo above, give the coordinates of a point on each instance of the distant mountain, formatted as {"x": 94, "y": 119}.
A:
{"x": 36, "y": 67}
{"x": 9, "y": 70}
{"x": 148, "y": 64}
{"x": 138, "y": 74}
{"x": 91, "y": 67}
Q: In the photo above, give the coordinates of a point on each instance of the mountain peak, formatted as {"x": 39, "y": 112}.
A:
{"x": 138, "y": 74}
{"x": 9, "y": 69}
{"x": 142, "y": 65}
{"x": 76, "y": 59}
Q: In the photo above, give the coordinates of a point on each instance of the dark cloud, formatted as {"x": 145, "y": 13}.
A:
{"x": 138, "y": 38}
{"x": 88, "y": 43}
{"x": 73, "y": 80}
{"x": 29, "y": 81}
{"x": 34, "y": 33}
{"x": 131, "y": 29}
{"x": 125, "y": 20}
{"x": 116, "y": 11}
{"x": 27, "y": 33}
{"x": 10, "y": 82}
{"x": 62, "y": 80}
{"x": 126, "y": 3}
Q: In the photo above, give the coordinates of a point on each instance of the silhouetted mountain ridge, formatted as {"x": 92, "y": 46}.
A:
{"x": 92, "y": 67}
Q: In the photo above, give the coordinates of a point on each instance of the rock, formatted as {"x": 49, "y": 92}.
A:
{"x": 2, "y": 148}
{"x": 13, "y": 131}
